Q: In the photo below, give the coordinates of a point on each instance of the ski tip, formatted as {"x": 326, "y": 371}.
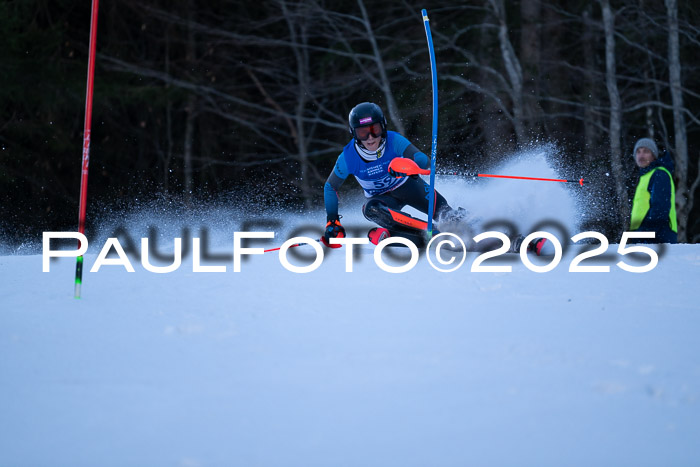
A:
{"x": 581, "y": 181}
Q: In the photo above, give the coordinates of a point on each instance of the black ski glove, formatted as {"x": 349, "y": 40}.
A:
{"x": 333, "y": 230}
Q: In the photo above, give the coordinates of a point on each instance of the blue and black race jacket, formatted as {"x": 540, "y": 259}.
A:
{"x": 372, "y": 175}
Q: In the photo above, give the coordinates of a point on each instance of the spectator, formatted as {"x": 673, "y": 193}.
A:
{"x": 654, "y": 205}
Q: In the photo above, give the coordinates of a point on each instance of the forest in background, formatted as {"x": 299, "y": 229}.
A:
{"x": 195, "y": 100}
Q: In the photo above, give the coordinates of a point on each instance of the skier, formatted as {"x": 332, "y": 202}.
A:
{"x": 374, "y": 156}
{"x": 654, "y": 204}
{"x": 387, "y": 167}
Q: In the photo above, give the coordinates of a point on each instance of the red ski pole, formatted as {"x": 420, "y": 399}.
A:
{"x": 580, "y": 181}
{"x": 404, "y": 166}
{"x": 279, "y": 247}
{"x": 86, "y": 143}
{"x": 290, "y": 246}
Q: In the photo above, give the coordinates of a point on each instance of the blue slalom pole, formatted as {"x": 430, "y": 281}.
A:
{"x": 433, "y": 151}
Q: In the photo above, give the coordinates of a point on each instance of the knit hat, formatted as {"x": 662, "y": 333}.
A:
{"x": 649, "y": 144}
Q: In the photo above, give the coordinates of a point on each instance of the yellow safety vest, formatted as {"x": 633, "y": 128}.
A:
{"x": 640, "y": 205}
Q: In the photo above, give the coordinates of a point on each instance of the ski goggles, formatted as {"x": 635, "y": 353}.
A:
{"x": 362, "y": 133}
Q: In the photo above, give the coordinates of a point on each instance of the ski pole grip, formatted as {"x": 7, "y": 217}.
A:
{"x": 404, "y": 166}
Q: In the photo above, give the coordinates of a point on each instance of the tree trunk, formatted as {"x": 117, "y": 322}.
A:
{"x": 530, "y": 47}
{"x": 623, "y": 205}
{"x": 493, "y": 118}
{"x": 168, "y": 117}
{"x": 189, "y": 141}
{"x": 680, "y": 135}
{"x": 591, "y": 120}
{"x": 302, "y": 143}
{"x": 298, "y": 42}
{"x": 513, "y": 70}
{"x": 392, "y": 108}
{"x": 190, "y": 108}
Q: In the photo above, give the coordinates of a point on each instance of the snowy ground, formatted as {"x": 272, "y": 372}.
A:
{"x": 267, "y": 367}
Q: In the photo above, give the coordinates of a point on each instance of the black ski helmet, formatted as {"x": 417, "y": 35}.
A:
{"x": 365, "y": 114}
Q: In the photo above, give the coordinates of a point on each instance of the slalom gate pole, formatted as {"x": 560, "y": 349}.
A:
{"x": 433, "y": 151}
{"x": 86, "y": 143}
{"x": 580, "y": 181}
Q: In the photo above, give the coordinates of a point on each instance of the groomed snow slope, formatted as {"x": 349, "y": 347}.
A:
{"x": 267, "y": 367}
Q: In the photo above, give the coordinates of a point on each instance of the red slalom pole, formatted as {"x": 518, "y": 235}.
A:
{"x": 86, "y": 143}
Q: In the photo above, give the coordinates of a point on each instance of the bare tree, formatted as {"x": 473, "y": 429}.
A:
{"x": 513, "y": 69}
{"x": 298, "y": 33}
{"x": 530, "y": 51}
{"x": 591, "y": 116}
{"x": 384, "y": 83}
{"x": 680, "y": 136}
{"x": 191, "y": 107}
{"x": 615, "y": 123}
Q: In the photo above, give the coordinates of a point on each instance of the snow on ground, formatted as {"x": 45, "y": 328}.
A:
{"x": 268, "y": 367}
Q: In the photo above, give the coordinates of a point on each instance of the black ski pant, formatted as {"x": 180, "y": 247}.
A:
{"x": 385, "y": 209}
